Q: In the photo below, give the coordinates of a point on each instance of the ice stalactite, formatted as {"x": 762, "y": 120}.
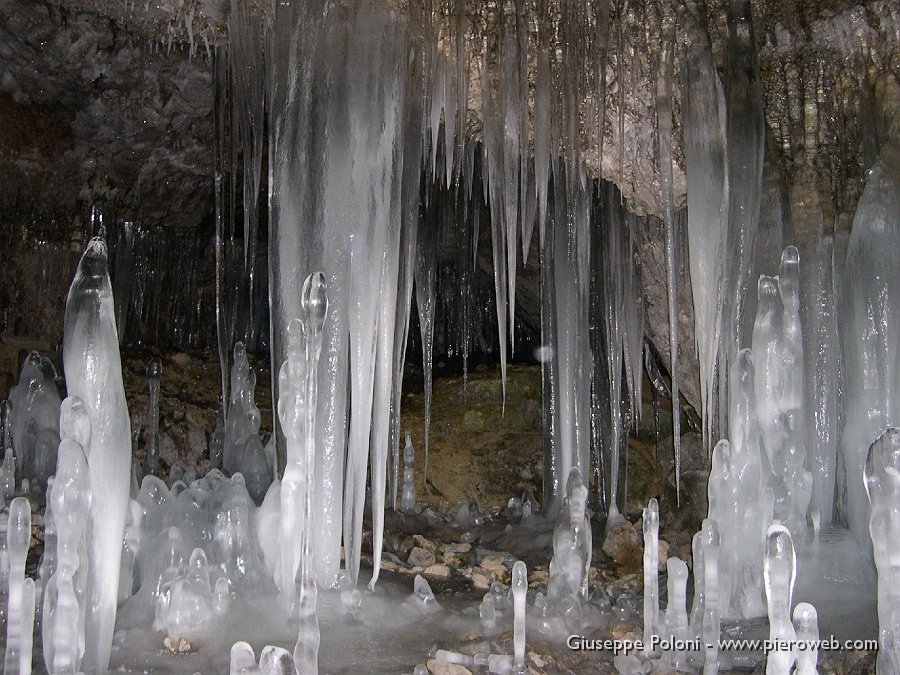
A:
{"x": 664, "y": 125}
{"x": 425, "y": 281}
{"x": 94, "y": 374}
{"x": 340, "y": 220}
{"x": 246, "y": 33}
{"x": 745, "y": 139}
{"x": 869, "y": 330}
{"x": 154, "y": 371}
{"x": 780, "y": 570}
{"x": 492, "y": 177}
{"x": 703, "y": 111}
{"x": 409, "y": 232}
{"x": 882, "y": 484}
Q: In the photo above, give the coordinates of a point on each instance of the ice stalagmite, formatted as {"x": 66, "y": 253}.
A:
{"x": 882, "y": 483}
{"x": 315, "y": 305}
{"x": 519, "y": 591}
{"x": 709, "y": 542}
{"x": 780, "y": 569}
{"x": 651, "y": 579}
{"x": 94, "y": 374}
{"x": 64, "y": 611}
{"x": 664, "y": 124}
{"x": 292, "y": 415}
{"x": 806, "y": 626}
{"x": 676, "y": 609}
{"x": 707, "y": 203}
{"x": 18, "y": 538}
{"x": 870, "y": 329}
{"x": 738, "y": 499}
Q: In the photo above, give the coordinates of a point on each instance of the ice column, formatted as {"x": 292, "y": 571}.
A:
{"x": 94, "y": 374}
{"x": 780, "y": 572}
{"x": 154, "y": 371}
{"x": 882, "y": 483}
{"x": 651, "y": 572}
{"x": 870, "y": 329}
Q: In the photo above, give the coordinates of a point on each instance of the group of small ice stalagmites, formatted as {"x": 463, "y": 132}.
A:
{"x": 794, "y": 635}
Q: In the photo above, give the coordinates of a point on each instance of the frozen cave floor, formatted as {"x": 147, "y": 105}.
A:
{"x": 477, "y": 453}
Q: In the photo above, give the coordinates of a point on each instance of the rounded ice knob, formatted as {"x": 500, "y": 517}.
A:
{"x": 18, "y": 536}
{"x": 154, "y": 369}
{"x": 315, "y": 301}
{"x": 519, "y": 575}
{"x": 296, "y": 333}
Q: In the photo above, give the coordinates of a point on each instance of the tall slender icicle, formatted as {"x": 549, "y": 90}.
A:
{"x": 245, "y": 35}
{"x": 664, "y": 125}
{"x": 426, "y": 279}
{"x": 704, "y": 153}
{"x": 409, "y": 231}
{"x": 745, "y": 135}
{"x": 492, "y": 153}
{"x": 94, "y": 374}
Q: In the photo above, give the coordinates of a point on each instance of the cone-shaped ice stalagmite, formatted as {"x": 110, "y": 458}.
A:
{"x": 882, "y": 482}
{"x": 780, "y": 569}
{"x": 94, "y": 374}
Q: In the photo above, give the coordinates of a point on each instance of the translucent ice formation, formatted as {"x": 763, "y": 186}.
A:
{"x": 94, "y": 374}
{"x": 780, "y": 570}
{"x": 882, "y": 483}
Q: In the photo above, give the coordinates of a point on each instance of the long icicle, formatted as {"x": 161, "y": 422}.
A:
{"x": 664, "y": 126}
